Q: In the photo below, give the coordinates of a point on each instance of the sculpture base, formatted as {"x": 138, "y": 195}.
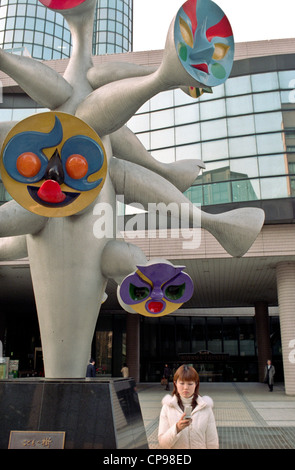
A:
{"x": 93, "y": 413}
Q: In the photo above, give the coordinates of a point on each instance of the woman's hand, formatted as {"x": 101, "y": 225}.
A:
{"x": 183, "y": 423}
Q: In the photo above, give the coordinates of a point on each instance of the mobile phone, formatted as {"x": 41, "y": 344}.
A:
{"x": 188, "y": 411}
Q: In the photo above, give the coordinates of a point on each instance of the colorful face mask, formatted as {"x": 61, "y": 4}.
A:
{"x": 204, "y": 41}
{"x": 157, "y": 289}
{"x": 53, "y": 164}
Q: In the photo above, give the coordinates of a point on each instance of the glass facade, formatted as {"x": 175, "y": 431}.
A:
{"x": 222, "y": 349}
{"x": 113, "y": 27}
{"x": 29, "y": 28}
{"x": 244, "y": 132}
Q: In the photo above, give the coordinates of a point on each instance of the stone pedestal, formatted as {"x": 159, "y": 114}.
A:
{"x": 93, "y": 413}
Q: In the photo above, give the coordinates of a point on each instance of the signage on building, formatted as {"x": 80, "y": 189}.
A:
{"x": 203, "y": 356}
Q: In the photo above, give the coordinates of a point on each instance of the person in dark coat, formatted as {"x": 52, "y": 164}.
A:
{"x": 166, "y": 375}
{"x": 91, "y": 372}
{"x": 269, "y": 372}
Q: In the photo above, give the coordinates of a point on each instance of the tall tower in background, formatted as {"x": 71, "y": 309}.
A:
{"x": 29, "y": 28}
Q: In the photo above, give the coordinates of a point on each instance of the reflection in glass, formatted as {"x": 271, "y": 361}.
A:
{"x": 266, "y": 101}
{"x": 186, "y": 134}
{"x": 188, "y": 151}
{"x": 183, "y": 334}
{"x": 212, "y": 109}
{"x": 242, "y": 146}
{"x": 274, "y": 188}
{"x": 265, "y": 81}
{"x": 163, "y": 118}
{"x": 238, "y": 85}
{"x": 230, "y": 336}
{"x": 162, "y": 138}
{"x": 198, "y": 334}
{"x": 214, "y": 330}
{"x": 186, "y": 114}
{"x": 239, "y": 105}
{"x": 268, "y": 122}
{"x": 165, "y": 155}
{"x": 241, "y": 125}
{"x": 246, "y": 336}
{"x": 244, "y": 190}
{"x": 213, "y": 129}
{"x": 270, "y": 143}
{"x": 217, "y": 193}
{"x": 271, "y": 165}
{"x": 243, "y": 168}
{"x": 215, "y": 150}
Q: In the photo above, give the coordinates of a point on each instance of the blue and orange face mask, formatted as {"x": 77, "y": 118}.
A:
{"x": 53, "y": 164}
{"x": 157, "y": 289}
{"x": 204, "y": 41}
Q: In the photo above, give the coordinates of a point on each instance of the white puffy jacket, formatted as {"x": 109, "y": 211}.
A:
{"x": 200, "y": 434}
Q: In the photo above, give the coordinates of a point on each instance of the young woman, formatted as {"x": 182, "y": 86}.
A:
{"x": 175, "y": 430}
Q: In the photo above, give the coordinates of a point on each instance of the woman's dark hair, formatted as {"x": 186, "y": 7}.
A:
{"x": 186, "y": 374}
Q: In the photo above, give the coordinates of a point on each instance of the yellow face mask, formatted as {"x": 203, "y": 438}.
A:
{"x": 53, "y": 164}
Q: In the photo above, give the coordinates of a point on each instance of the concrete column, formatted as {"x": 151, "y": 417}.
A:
{"x": 286, "y": 297}
{"x": 133, "y": 345}
{"x": 262, "y": 336}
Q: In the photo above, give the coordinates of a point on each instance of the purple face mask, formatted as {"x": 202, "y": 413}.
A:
{"x": 158, "y": 286}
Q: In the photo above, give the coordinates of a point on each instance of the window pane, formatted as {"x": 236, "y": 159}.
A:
{"x": 162, "y": 100}
{"x": 268, "y": 122}
{"x": 214, "y": 331}
{"x": 238, "y": 86}
{"x": 270, "y": 143}
{"x": 162, "y": 118}
{"x": 215, "y": 150}
{"x": 274, "y": 188}
{"x": 139, "y": 122}
{"x": 271, "y": 165}
{"x": 163, "y": 138}
{"x": 230, "y": 336}
{"x": 167, "y": 344}
{"x": 285, "y": 78}
{"x": 239, "y": 105}
{"x": 198, "y": 334}
{"x": 265, "y": 81}
{"x": 266, "y": 101}
{"x": 212, "y": 109}
{"x": 247, "y": 346}
{"x": 241, "y": 125}
{"x": 244, "y": 168}
{"x": 214, "y": 129}
{"x": 164, "y": 156}
{"x": 185, "y": 134}
{"x": 241, "y": 146}
{"x": 183, "y": 335}
{"x": 188, "y": 151}
{"x": 185, "y": 114}
{"x": 217, "y": 193}
{"x": 245, "y": 190}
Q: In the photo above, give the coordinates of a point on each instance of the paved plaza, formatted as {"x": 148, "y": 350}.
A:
{"x": 247, "y": 415}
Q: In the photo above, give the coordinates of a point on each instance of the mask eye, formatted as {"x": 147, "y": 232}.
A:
{"x": 220, "y": 51}
{"x": 79, "y": 168}
{"x": 76, "y": 166}
{"x": 138, "y": 293}
{"x": 174, "y": 292}
{"x": 28, "y": 164}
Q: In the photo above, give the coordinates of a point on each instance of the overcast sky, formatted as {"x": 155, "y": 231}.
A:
{"x": 251, "y": 20}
